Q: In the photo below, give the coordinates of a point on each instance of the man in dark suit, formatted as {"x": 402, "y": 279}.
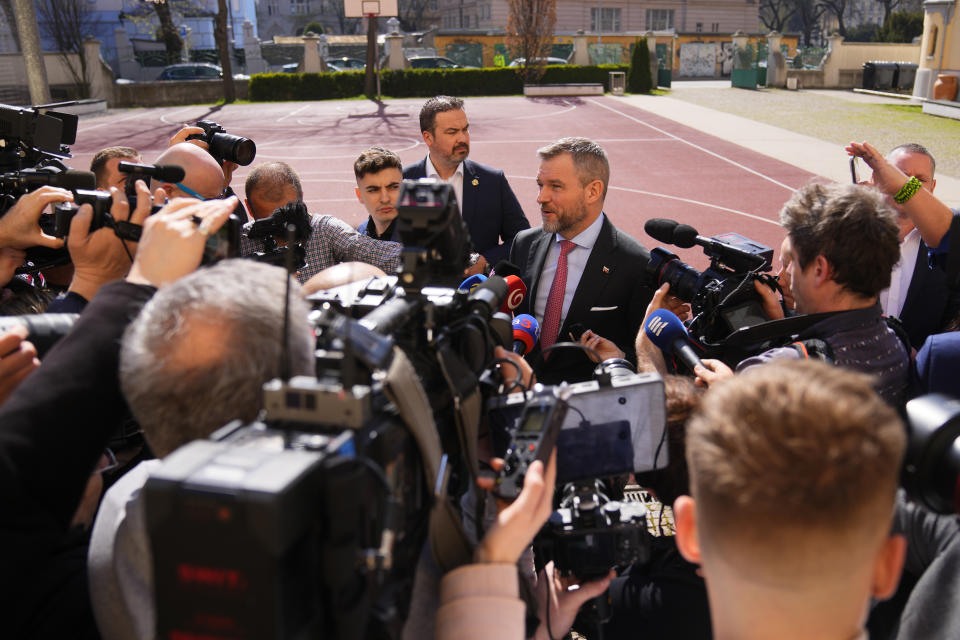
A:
{"x": 918, "y": 295}
{"x": 582, "y": 273}
{"x": 487, "y": 204}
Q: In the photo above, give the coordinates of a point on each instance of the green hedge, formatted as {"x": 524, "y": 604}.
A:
{"x": 416, "y": 83}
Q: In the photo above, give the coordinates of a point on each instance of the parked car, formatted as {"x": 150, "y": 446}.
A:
{"x": 516, "y": 62}
{"x": 345, "y": 64}
{"x": 195, "y": 71}
{"x": 191, "y": 71}
{"x": 435, "y": 62}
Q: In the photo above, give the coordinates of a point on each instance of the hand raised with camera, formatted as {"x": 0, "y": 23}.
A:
{"x": 17, "y": 359}
{"x": 181, "y": 136}
{"x": 518, "y": 523}
{"x": 174, "y": 238}
{"x": 101, "y": 257}
{"x": 20, "y": 228}
{"x": 557, "y": 606}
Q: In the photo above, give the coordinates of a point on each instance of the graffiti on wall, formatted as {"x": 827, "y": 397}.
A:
{"x": 698, "y": 60}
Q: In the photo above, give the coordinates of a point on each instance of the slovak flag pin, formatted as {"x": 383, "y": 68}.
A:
{"x": 606, "y": 269}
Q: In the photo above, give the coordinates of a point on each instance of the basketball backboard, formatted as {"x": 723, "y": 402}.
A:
{"x": 364, "y": 8}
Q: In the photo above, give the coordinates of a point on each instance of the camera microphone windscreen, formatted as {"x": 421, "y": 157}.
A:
{"x": 516, "y": 292}
{"x": 666, "y": 331}
{"x": 660, "y": 229}
{"x": 490, "y": 294}
{"x": 506, "y": 268}
{"x": 685, "y": 236}
{"x": 472, "y": 282}
{"x": 526, "y": 333}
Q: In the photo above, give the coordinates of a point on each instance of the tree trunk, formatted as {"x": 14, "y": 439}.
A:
{"x": 32, "y": 51}
{"x": 167, "y": 33}
{"x": 224, "y": 46}
{"x": 370, "y": 77}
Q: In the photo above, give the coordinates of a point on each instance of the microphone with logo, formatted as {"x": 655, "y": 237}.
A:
{"x": 472, "y": 283}
{"x": 516, "y": 291}
{"x": 666, "y": 331}
{"x": 526, "y": 333}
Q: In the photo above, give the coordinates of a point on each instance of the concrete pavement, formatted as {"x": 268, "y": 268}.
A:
{"x": 805, "y": 152}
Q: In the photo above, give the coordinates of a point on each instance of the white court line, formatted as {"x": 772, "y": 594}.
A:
{"x": 696, "y": 146}
{"x": 143, "y": 112}
{"x": 163, "y": 118}
{"x": 677, "y": 198}
{"x": 293, "y": 113}
{"x": 549, "y": 140}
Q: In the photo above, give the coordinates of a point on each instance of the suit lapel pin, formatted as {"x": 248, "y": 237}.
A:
{"x": 475, "y": 182}
{"x": 606, "y": 270}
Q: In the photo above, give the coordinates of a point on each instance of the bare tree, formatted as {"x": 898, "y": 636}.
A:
{"x": 224, "y": 46}
{"x": 807, "y": 18}
{"x": 411, "y": 15}
{"x": 888, "y": 7}
{"x": 837, "y": 8}
{"x": 167, "y": 32}
{"x": 775, "y": 14}
{"x": 7, "y": 7}
{"x": 530, "y": 33}
{"x": 68, "y": 23}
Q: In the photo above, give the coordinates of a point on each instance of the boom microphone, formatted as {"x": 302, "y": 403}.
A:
{"x": 667, "y": 332}
{"x": 516, "y": 292}
{"x": 162, "y": 172}
{"x": 661, "y": 229}
{"x": 685, "y": 236}
{"x": 526, "y": 333}
{"x": 471, "y": 283}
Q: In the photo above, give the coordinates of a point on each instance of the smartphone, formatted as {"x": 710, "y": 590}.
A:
{"x": 854, "y": 173}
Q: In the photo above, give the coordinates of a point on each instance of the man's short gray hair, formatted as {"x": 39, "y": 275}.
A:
{"x": 271, "y": 179}
{"x": 589, "y": 159}
{"x": 199, "y": 352}
{"x": 916, "y": 147}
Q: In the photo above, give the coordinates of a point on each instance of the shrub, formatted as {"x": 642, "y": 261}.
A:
{"x": 639, "y": 78}
{"x": 901, "y": 26}
{"x": 417, "y": 83}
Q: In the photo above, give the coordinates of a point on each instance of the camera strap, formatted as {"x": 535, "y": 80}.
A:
{"x": 448, "y": 541}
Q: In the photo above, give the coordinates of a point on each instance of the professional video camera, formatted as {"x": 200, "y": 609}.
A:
{"x": 931, "y": 467}
{"x": 723, "y": 297}
{"x": 224, "y": 146}
{"x": 319, "y": 511}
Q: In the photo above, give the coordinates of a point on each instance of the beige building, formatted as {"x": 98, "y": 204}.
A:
{"x": 940, "y": 46}
{"x": 615, "y": 16}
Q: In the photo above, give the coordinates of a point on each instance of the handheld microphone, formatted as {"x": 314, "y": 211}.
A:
{"x": 472, "y": 282}
{"x": 162, "y": 172}
{"x": 516, "y": 292}
{"x": 505, "y": 268}
{"x": 661, "y": 229}
{"x": 526, "y": 333}
{"x": 667, "y": 332}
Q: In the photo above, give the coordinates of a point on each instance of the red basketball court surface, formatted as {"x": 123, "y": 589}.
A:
{"x": 659, "y": 168}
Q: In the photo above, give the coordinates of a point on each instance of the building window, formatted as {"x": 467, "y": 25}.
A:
{"x": 299, "y": 7}
{"x": 699, "y": 27}
{"x": 659, "y": 19}
{"x": 433, "y": 5}
{"x": 466, "y": 22}
{"x": 715, "y": 27}
{"x": 273, "y": 8}
{"x": 604, "y": 19}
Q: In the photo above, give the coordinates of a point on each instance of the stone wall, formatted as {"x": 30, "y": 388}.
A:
{"x": 159, "y": 94}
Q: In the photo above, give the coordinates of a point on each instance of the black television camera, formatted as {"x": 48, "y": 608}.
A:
{"x": 224, "y": 146}
{"x": 931, "y": 467}
{"x": 319, "y": 511}
{"x": 723, "y": 297}
{"x": 276, "y": 227}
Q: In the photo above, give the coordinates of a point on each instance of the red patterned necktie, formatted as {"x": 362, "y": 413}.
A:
{"x": 551, "y": 316}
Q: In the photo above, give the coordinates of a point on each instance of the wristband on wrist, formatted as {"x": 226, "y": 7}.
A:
{"x": 907, "y": 190}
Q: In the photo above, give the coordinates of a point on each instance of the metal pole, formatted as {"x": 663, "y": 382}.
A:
{"x": 29, "y": 32}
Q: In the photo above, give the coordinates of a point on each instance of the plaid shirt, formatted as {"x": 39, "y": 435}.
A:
{"x": 334, "y": 241}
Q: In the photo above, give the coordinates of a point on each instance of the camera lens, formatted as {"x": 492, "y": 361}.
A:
{"x": 233, "y": 148}
{"x": 666, "y": 267}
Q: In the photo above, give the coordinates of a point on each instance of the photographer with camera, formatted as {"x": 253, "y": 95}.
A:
{"x": 64, "y": 416}
{"x": 836, "y": 286}
{"x": 331, "y": 241}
